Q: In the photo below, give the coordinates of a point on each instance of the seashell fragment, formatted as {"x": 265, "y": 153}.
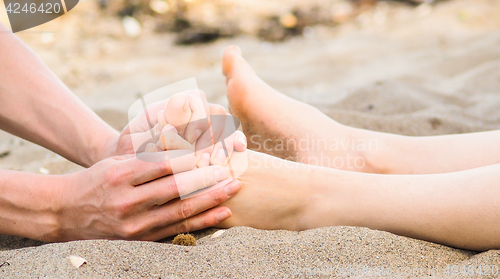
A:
{"x": 218, "y": 233}
{"x": 77, "y": 261}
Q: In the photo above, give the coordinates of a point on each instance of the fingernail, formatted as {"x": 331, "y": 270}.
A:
{"x": 232, "y": 188}
{"x": 239, "y": 49}
{"x": 220, "y": 158}
{"x": 194, "y": 136}
{"x": 242, "y": 139}
{"x": 221, "y": 174}
{"x": 223, "y": 216}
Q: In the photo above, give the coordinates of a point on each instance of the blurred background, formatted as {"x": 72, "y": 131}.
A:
{"x": 408, "y": 67}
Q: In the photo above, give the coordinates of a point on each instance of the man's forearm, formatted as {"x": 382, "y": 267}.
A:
{"x": 29, "y": 205}
{"x": 37, "y": 106}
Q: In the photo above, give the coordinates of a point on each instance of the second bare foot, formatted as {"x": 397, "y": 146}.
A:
{"x": 283, "y": 127}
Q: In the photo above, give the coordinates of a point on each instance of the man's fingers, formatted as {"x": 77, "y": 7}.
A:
{"x": 148, "y": 118}
{"x": 156, "y": 193}
{"x": 220, "y": 155}
{"x": 179, "y": 210}
{"x": 240, "y": 141}
{"x": 199, "y": 119}
{"x": 189, "y": 183}
{"x": 178, "y": 112}
{"x": 226, "y": 140}
{"x": 149, "y": 166}
{"x": 203, "y": 220}
{"x": 206, "y": 143}
{"x": 165, "y": 189}
{"x": 142, "y": 171}
{"x": 169, "y": 139}
{"x": 216, "y": 109}
{"x": 203, "y": 148}
{"x": 223, "y": 150}
{"x": 218, "y": 118}
{"x": 140, "y": 140}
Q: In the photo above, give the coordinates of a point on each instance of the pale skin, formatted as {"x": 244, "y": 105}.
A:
{"x": 267, "y": 114}
{"x": 451, "y": 197}
{"x": 119, "y": 196}
{"x": 456, "y": 208}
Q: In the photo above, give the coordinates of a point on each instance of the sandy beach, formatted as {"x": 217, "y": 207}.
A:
{"x": 411, "y": 70}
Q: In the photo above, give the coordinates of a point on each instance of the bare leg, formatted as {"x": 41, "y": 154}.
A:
{"x": 283, "y": 127}
{"x": 458, "y": 209}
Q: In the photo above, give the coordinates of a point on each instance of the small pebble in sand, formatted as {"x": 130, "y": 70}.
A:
{"x": 185, "y": 240}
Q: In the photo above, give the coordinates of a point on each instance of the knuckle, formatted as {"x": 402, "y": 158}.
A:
{"x": 129, "y": 231}
{"x": 177, "y": 101}
{"x": 164, "y": 167}
{"x": 183, "y": 226}
{"x": 207, "y": 177}
{"x": 123, "y": 209}
{"x": 206, "y": 222}
{"x": 219, "y": 196}
{"x": 115, "y": 175}
{"x": 171, "y": 184}
{"x": 185, "y": 210}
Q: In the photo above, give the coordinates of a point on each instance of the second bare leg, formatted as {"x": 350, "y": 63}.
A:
{"x": 286, "y": 128}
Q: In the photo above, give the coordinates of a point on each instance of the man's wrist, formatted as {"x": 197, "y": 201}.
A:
{"x": 30, "y": 205}
{"x": 53, "y": 226}
{"x": 102, "y": 146}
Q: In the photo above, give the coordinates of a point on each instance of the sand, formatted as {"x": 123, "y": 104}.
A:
{"x": 413, "y": 71}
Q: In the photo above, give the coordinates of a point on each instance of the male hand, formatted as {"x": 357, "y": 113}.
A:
{"x": 187, "y": 113}
{"x": 129, "y": 198}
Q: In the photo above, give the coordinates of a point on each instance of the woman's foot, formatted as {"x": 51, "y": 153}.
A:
{"x": 283, "y": 127}
{"x": 279, "y": 194}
